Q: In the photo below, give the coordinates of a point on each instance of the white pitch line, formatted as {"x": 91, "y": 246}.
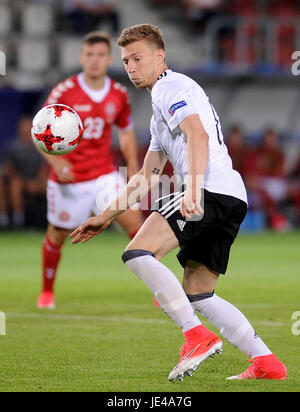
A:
{"x": 82, "y": 317}
{"x": 112, "y": 318}
{"x": 259, "y": 305}
{"x": 270, "y": 323}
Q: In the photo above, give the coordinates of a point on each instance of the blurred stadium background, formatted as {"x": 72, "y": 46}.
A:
{"x": 239, "y": 51}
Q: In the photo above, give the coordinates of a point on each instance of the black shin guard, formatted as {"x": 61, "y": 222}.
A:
{"x": 134, "y": 253}
{"x": 200, "y": 296}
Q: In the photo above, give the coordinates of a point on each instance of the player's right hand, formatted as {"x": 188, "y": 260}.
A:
{"x": 63, "y": 170}
{"x": 92, "y": 227}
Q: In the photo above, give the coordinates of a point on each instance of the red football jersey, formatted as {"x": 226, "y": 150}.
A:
{"x": 99, "y": 110}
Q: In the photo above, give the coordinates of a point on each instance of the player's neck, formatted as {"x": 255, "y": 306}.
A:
{"x": 94, "y": 83}
{"x": 156, "y": 76}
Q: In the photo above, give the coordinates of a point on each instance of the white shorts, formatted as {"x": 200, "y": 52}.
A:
{"x": 69, "y": 205}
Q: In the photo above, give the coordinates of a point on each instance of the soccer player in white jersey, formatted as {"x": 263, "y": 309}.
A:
{"x": 203, "y": 218}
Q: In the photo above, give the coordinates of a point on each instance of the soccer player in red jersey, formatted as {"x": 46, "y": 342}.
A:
{"x": 85, "y": 181}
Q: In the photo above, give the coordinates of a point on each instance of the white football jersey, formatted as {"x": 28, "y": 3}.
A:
{"x": 174, "y": 97}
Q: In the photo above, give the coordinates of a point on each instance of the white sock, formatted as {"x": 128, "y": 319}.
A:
{"x": 165, "y": 287}
{"x": 232, "y": 324}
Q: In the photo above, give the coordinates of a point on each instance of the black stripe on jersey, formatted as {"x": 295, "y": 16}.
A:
{"x": 217, "y": 124}
{"x": 164, "y": 74}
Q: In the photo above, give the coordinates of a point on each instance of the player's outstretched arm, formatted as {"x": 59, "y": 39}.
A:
{"x": 137, "y": 187}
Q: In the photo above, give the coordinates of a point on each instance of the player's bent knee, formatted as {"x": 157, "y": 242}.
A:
{"x": 135, "y": 253}
{"x": 57, "y": 235}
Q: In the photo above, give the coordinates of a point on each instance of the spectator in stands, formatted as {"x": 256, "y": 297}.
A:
{"x": 199, "y": 12}
{"x": 294, "y": 188}
{"x": 87, "y": 15}
{"x": 26, "y": 171}
{"x": 237, "y": 150}
{"x": 262, "y": 169}
{"x": 270, "y": 166}
{"x": 267, "y": 178}
{"x": 243, "y": 160}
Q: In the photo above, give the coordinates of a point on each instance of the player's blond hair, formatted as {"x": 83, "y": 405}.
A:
{"x": 147, "y": 32}
{"x": 97, "y": 36}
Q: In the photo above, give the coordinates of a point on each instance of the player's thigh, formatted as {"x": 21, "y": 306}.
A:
{"x": 198, "y": 278}
{"x": 69, "y": 205}
{"x": 156, "y": 236}
{"x": 131, "y": 220}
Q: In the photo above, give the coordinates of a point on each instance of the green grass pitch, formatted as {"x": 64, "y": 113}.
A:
{"x": 107, "y": 336}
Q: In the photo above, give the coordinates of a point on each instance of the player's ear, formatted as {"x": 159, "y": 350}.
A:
{"x": 161, "y": 56}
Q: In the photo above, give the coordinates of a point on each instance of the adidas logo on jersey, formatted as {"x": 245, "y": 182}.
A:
{"x": 181, "y": 224}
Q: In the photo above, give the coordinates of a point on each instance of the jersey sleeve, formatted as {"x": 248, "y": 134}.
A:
{"x": 124, "y": 121}
{"x": 57, "y": 94}
{"x": 177, "y": 103}
{"x": 154, "y": 144}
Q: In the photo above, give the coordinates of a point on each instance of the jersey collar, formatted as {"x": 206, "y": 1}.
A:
{"x": 95, "y": 95}
{"x": 160, "y": 77}
{"x": 164, "y": 74}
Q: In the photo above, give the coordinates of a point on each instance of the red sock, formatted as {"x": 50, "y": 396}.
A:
{"x": 131, "y": 235}
{"x": 198, "y": 332}
{"x": 51, "y": 256}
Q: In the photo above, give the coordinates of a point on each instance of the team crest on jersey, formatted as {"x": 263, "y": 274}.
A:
{"x": 64, "y": 216}
{"x": 177, "y": 106}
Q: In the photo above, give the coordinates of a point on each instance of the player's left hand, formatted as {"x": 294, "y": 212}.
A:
{"x": 191, "y": 201}
{"x": 190, "y": 208}
{"x": 191, "y": 205}
{"x": 92, "y": 227}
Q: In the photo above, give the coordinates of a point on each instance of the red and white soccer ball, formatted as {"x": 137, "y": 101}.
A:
{"x": 56, "y": 129}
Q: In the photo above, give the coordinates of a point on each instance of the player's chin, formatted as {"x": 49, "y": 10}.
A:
{"x": 95, "y": 73}
{"x": 139, "y": 84}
